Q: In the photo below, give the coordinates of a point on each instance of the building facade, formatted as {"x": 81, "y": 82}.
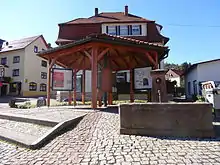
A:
{"x": 198, "y": 73}
{"x": 121, "y": 24}
{"x": 175, "y": 75}
{"x": 25, "y": 73}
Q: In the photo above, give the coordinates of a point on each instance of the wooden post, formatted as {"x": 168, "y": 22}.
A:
{"x": 83, "y": 86}
{"x": 48, "y": 82}
{"x": 94, "y": 76}
{"x": 70, "y": 98}
{"x": 110, "y": 99}
{"x": 74, "y": 90}
{"x": 131, "y": 86}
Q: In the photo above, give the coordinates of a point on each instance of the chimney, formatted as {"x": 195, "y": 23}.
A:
{"x": 126, "y": 10}
{"x": 96, "y": 11}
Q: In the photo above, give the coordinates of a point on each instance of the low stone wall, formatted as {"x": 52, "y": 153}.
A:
{"x": 167, "y": 119}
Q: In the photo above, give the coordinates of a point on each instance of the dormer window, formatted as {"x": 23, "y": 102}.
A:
{"x": 124, "y": 30}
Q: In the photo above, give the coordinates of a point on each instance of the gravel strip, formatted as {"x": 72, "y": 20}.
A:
{"x": 27, "y": 128}
{"x": 54, "y": 114}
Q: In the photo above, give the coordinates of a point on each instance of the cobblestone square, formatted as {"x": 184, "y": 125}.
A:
{"x": 96, "y": 140}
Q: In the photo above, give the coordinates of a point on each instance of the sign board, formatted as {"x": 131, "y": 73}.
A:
{"x": 142, "y": 78}
{"x": 62, "y": 79}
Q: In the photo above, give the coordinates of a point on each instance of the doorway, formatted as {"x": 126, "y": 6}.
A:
{"x": 4, "y": 90}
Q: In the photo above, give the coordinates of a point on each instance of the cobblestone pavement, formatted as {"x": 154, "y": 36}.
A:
{"x": 96, "y": 140}
{"x": 27, "y": 128}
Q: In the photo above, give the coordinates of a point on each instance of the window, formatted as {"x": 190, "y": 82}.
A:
{"x": 136, "y": 30}
{"x": 15, "y": 72}
{"x": 43, "y": 87}
{"x": 16, "y": 59}
{"x": 111, "y": 30}
{"x": 44, "y": 63}
{"x": 194, "y": 87}
{"x": 4, "y": 60}
{"x": 189, "y": 88}
{"x": 121, "y": 77}
{"x": 124, "y": 30}
{"x": 32, "y": 86}
{"x": 35, "y": 49}
{"x": 43, "y": 75}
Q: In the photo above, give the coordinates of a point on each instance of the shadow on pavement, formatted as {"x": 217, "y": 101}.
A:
{"x": 113, "y": 109}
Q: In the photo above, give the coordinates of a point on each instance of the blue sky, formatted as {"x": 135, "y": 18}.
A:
{"x": 193, "y": 26}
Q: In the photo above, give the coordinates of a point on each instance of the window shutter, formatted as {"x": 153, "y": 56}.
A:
{"x": 130, "y": 29}
{"x": 106, "y": 29}
{"x": 140, "y": 30}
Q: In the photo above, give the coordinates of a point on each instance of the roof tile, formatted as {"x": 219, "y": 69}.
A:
{"x": 108, "y": 17}
{"x": 18, "y": 44}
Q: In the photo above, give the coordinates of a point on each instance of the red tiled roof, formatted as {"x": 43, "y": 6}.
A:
{"x": 105, "y": 37}
{"x": 109, "y": 17}
{"x": 117, "y": 37}
{"x": 179, "y": 72}
{"x": 132, "y": 40}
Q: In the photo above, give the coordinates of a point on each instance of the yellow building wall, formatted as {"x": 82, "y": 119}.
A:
{"x": 34, "y": 93}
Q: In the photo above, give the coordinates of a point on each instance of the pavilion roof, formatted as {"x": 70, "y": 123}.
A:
{"x": 128, "y": 46}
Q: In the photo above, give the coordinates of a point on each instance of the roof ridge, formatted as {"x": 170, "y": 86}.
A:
{"x": 34, "y": 37}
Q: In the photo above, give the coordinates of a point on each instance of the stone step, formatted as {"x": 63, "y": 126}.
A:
{"x": 31, "y": 135}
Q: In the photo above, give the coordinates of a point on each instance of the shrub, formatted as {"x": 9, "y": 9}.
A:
{"x": 26, "y": 105}
{"x": 200, "y": 98}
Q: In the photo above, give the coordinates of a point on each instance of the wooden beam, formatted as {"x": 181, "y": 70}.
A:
{"x": 150, "y": 58}
{"x": 129, "y": 48}
{"x": 81, "y": 61}
{"x": 94, "y": 76}
{"x": 116, "y": 63}
{"x": 83, "y": 86}
{"x": 88, "y": 54}
{"x": 135, "y": 59}
{"x": 67, "y": 51}
{"x": 123, "y": 59}
{"x": 101, "y": 55}
{"x": 48, "y": 82}
{"x": 73, "y": 62}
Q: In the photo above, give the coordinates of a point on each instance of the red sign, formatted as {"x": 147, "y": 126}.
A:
{"x": 58, "y": 78}
{"x": 1, "y": 84}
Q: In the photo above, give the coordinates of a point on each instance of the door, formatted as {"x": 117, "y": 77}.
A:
{"x": 3, "y": 90}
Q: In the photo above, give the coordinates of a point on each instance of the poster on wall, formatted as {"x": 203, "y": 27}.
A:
{"x": 142, "y": 78}
{"x": 62, "y": 79}
{"x": 78, "y": 83}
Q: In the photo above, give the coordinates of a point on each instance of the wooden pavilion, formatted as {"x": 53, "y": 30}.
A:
{"x": 112, "y": 53}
